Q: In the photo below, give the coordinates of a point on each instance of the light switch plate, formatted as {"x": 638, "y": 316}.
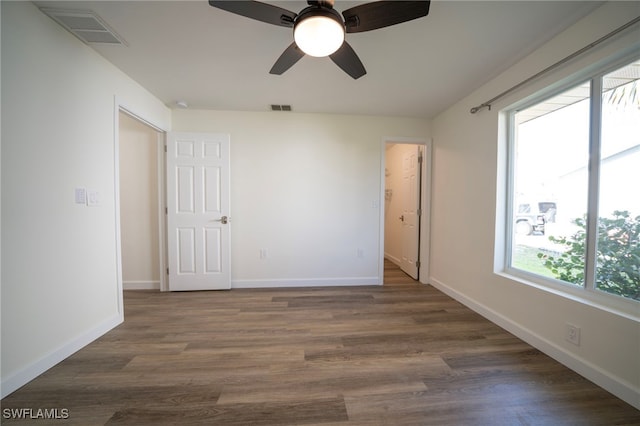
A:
{"x": 81, "y": 196}
{"x": 93, "y": 197}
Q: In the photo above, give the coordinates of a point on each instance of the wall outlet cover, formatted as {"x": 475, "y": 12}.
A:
{"x": 572, "y": 334}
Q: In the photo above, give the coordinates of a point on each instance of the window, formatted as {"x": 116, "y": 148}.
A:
{"x": 574, "y": 219}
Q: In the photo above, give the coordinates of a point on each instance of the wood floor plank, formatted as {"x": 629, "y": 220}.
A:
{"x": 399, "y": 354}
{"x": 290, "y": 413}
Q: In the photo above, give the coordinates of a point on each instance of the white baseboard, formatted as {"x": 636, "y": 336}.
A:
{"x": 306, "y": 282}
{"x": 616, "y": 385}
{"x": 393, "y": 259}
{"x": 20, "y": 378}
{"x": 141, "y": 285}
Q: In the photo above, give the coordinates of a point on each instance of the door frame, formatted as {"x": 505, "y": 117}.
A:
{"x": 118, "y": 107}
{"x": 425, "y": 204}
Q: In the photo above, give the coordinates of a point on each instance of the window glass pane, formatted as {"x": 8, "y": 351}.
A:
{"x": 551, "y": 150}
{"x": 618, "y": 246}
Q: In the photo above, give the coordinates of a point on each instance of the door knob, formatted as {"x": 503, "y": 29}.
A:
{"x": 401, "y": 218}
{"x": 223, "y": 219}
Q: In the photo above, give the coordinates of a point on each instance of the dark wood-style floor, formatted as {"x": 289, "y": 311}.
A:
{"x": 400, "y": 354}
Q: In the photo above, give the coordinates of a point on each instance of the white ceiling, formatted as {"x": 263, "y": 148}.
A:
{"x": 211, "y": 59}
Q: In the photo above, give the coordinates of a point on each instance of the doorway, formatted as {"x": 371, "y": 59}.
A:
{"x": 406, "y": 193}
{"x": 141, "y": 171}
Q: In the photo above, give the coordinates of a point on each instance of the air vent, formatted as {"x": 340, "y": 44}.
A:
{"x": 275, "y": 107}
{"x": 85, "y": 25}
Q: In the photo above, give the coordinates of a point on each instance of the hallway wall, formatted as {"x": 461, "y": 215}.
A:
{"x": 139, "y": 207}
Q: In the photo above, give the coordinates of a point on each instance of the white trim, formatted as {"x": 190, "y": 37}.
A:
{"x": 306, "y": 282}
{"x": 121, "y": 106}
{"x": 593, "y": 187}
{"x": 616, "y": 305}
{"x": 381, "y": 209}
{"x": 616, "y": 385}
{"x": 116, "y": 204}
{"x": 425, "y": 220}
{"x": 33, "y": 370}
{"x": 138, "y": 116}
{"x": 162, "y": 205}
{"x": 393, "y": 259}
{"x": 141, "y": 285}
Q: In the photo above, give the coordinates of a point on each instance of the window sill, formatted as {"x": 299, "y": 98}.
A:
{"x": 629, "y": 309}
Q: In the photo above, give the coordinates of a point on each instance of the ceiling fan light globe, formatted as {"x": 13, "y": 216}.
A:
{"x": 319, "y": 36}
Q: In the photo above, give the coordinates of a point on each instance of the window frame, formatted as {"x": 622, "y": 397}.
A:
{"x": 586, "y": 293}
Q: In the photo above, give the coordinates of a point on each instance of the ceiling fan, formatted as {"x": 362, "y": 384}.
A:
{"x": 319, "y": 30}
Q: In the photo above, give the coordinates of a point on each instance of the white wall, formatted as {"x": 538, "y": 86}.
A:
{"x": 139, "y": 204}
{"x": 305, "y": 188}
{"x": 468, "y": 192}
{"x": 60, "y": 272}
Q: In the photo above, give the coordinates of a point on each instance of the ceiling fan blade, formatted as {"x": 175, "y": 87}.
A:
{"x": 289, "y": 57}
{"x": 380, "y": 14}
{"x": 257, "y": 10}
{"x": 347, "y": 59}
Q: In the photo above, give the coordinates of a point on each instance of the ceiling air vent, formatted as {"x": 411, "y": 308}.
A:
{"x": 85, "y": 25}
{"x": 275, "y": 107}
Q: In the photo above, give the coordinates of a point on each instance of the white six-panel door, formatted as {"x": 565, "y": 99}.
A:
{"x": 410, "y": 206}
{"x": 198, "y": 228}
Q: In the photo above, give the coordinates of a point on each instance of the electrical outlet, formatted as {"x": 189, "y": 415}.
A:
{"x": 572, "y": 334}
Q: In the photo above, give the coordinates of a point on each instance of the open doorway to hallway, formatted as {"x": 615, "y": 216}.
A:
{"x": 403, "y": 206}
{"x": 140, "y": 149}
{"x": 394, "y": 276}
